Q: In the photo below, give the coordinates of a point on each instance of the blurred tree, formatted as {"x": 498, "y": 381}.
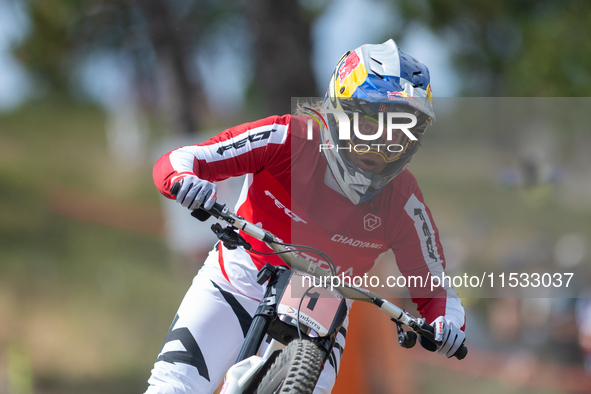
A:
{"x": 170, "y": 35}
{"x": 158, "y": 37}
{"x": 513, "y": 48}
{"x": 43, "y": 52}
{"x": 158, "y": 40}
{"x": 282, "y": 49}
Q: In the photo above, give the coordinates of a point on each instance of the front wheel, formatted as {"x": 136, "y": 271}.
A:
{"x": 295, "y": 371}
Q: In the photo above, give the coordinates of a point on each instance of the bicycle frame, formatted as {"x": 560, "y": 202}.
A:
{"x": 267, "y": 321}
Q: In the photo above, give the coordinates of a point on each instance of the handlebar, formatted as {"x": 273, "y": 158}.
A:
{"x": 221, "y": 212}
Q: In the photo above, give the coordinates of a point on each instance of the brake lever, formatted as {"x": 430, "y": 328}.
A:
{"x": 229, "y": 237}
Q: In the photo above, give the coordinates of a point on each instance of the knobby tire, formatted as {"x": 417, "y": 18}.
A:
{"x": 296, "y": 370}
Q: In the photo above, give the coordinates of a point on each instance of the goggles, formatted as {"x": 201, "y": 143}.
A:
{"x": 388, "y": 146}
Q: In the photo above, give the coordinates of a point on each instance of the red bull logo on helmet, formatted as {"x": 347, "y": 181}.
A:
{"x": 351, "y": 63}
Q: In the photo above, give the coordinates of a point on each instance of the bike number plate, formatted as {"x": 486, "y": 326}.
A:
{"x": 319, "y": 306}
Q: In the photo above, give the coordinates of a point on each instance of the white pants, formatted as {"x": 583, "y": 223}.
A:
{"x": 207, "y": 334}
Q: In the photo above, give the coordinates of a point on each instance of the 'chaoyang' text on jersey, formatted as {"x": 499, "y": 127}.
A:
{"x": 285, "y": 192}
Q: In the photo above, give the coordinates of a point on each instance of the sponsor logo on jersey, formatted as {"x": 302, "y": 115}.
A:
{"x": 427, "y": 233}
{"x": 371, "y": 222}
{"x": 355, "y": 242}
{"x": 321, "y": 263}
{"x": 260, "y": 136}
{"x": 287, "y": 211}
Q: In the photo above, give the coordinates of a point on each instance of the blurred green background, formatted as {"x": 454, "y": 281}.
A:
{"x": 93, "y": 91}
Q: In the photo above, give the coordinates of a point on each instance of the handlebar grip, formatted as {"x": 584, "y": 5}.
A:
{"x": 199, "y": 213}
{"x": 216, "y": 210}
{"x": 429, "y": 328}
{"x": 175, "y": 188}
{"x": 217, "y": 206}
{"x": 459, "y": 354}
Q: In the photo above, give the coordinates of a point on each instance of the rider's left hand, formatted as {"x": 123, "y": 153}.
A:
{"x": 449, "y": 337}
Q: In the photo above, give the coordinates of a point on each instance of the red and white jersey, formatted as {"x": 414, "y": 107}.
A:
{"x": 285, "y": 191}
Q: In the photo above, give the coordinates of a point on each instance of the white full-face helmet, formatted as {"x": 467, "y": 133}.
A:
{"x": 369, "y": 80}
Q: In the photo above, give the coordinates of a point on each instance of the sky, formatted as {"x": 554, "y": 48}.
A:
{"x": 227, "y": 75}
{"x": 15, "y": 86}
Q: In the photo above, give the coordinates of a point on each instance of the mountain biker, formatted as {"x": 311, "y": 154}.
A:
{"x": 353, "y": 203}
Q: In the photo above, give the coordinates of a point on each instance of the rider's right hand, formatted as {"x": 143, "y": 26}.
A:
{"x": 195, "y": 191}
